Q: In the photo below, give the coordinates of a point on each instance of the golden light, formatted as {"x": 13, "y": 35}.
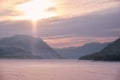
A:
{"x": 36, "y": 9}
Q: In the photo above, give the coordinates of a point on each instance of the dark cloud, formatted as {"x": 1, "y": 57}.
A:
{"x": 104, "y": 24}
{"x": 10, "y": 28}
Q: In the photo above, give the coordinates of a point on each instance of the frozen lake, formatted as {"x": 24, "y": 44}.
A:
{"x": 58, "y": 70}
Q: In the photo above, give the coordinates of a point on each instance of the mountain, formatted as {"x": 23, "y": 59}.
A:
{"x": 23, "y": 46}
{"x": 109, "y": 53}
{"x": 76, "y": 52}
{"x": 10, "y": 52}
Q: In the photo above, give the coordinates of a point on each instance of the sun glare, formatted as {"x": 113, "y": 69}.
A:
{"x": 36, "y": 9}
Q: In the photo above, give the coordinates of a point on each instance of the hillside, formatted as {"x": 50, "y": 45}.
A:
{"x": 76, "y": 52}
{"x": 109, "y": 53}
{"x": 23, "y": 46}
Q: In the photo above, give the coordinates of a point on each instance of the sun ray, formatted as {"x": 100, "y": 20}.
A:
{"x": 35, "y": 10}
{"x": 34, "y": 28}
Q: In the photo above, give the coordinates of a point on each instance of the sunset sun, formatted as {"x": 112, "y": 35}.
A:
{"x": 36, "y": 10}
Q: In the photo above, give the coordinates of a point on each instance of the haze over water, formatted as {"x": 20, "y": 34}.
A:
{"x": 58, "y": 70}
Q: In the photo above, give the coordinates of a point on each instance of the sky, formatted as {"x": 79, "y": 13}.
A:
{"x": 61, "y": 23}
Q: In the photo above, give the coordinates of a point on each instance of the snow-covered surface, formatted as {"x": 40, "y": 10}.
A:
{"x": 58, "y": 70}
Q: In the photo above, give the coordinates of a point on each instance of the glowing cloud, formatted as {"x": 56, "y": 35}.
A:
{"x": 36, "y": 9}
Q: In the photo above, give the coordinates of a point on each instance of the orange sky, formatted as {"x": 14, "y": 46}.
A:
{"x": 31, "y": 9}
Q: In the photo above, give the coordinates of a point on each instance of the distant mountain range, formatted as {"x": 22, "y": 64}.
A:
{"x": 109, "y": 53}
{"x": 28, "y": 47}
{"x": 76, "y": 52}
{"x": 23, "y": 46}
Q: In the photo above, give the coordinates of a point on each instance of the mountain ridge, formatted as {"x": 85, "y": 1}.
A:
{"x": 76, "y": 52}
{"x": 109, "y": 53}
{"x": 36, "y": 47}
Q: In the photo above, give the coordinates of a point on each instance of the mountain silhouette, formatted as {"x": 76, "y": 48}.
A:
{"x": 76, "y": 52}
{"x": 24, "y": 46}
{"x": 109, "y": 53}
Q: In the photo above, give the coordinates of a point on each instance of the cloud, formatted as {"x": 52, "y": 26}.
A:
{"x": 103, "y": 24}
{"x": 8, "y": 9}
{"x": 100, "y": 26}
{"x": 116, "y": 0}
{"x": 75, "y": 41}
{"x": 51, "y": 9}
{"x": 64, "y": 8}
{"x": 10, "y": 28}
{"x": 84, "y": 7}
